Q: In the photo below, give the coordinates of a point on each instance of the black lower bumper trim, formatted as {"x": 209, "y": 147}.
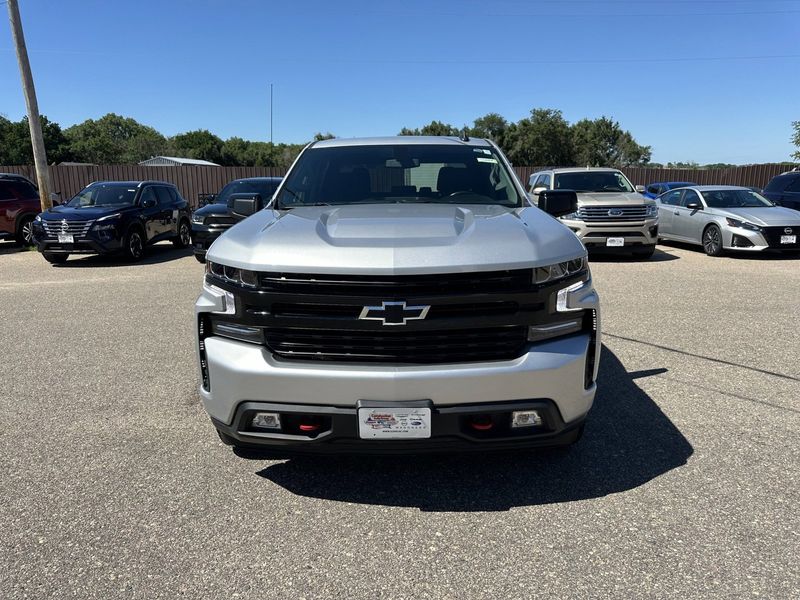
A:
{"x": 450, "y": 425}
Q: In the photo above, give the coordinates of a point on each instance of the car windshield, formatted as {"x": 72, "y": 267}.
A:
{"x": 104, "y": 194}
{"x": 593, "y": 181}
{"x": 679, "y": 184}
{"x": 265, "y": 188}
{"x": 735, "y": 199}
{"x": 399, "y": 173}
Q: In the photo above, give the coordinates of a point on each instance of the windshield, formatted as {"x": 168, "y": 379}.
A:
{"x": 735, "y": 199}
{"x": 679, "y": 184}
{"x": 401, "y": 173}
{"x": 264, "y": 187}
{"x": 593, "y": 181}
{"x": 104, "y": 194}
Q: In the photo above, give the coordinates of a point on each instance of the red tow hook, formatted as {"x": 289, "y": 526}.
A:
{"x": 481, "y": 423}
{"x": 308, "y": 427}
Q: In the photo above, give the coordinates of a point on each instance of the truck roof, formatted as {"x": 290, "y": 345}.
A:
{"x": 406, "y": 140}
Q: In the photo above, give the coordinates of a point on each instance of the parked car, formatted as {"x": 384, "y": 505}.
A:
{"x": 401, "y": 295}
{"x": 114, "y": 217}
{"x": 724, "y": 218}
{"x": 19, "y": 205}
{"x": 611, "y": 215}
{"x": 211, "y": 220}
{"x": 784, "y": 190}
{"x": 654, "y": 190}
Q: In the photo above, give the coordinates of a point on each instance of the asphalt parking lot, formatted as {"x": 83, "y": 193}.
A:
{"x": 114, "y": 483}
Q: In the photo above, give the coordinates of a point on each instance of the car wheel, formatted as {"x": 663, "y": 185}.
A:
{"x": 201, "y": 258}
{"x": 645, "y": 252}
{"x": 55, "y": 259}
{"x": 134, "y": 245}
{"x": 24, "y": 235}
{"x": 712, "y": 240}
{"x": 184, "y": 237}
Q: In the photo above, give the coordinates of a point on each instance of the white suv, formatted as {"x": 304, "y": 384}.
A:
{"x": 612, "y": 213}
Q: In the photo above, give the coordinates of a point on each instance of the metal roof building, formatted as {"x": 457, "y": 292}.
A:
{"x": 176, "y": 161}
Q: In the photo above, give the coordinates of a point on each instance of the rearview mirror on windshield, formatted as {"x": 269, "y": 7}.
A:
{"x": 558, "y": 202}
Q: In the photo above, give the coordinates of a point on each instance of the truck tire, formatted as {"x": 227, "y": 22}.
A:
{"x": 201, "y": 258}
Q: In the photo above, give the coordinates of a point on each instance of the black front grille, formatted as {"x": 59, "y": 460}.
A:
{"x": 773, "y": 236}
{"x": 415, "y": 347}
{"x": 219, "y": 220}
{"x": 401, "y": 286}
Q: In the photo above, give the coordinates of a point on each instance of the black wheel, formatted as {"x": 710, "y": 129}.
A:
{"x": 184, "y": 237}
{"x": 24, "y": 235}
{"x": 55, "y": 259}
{"x": 134, "y": 244}
{"x": 201, "y": 258}
{"x": 712, "y": 241}
{"x": 645, "y": 252}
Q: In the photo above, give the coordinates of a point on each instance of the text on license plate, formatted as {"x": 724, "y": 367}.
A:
{"x": 65, "y": 238}
{"x": 395, "y": 422}
{"x": 615, "y": 241}
{"x": 788, "y": 239}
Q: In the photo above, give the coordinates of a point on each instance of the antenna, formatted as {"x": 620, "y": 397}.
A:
{"x": 464, "y": 137}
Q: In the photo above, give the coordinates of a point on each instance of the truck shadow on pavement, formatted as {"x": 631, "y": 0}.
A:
{"x": 628, "y": 441}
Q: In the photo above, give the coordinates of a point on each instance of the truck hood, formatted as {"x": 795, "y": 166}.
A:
{"x": 396, "y": 239}
{"x": 763, "y": 216}
{"x": 611, "y": 199}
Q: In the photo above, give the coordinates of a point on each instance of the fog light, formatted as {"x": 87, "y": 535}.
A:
{"x": 526, "y": 418}
{"x": 266, "y": 420}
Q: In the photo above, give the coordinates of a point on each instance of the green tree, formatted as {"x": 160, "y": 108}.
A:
{"x": 432, "y": 128}
{"x": 15, "y": 142}
{"x": 200, "y": 144}
{"x": 113, "y": 139}
{"x": 492, "y": 126}
{"x": 796, "y": 139}
{"x": 603, "y": 143}
{"x": 543, "y": 139}
{"x": 318, "y": 137}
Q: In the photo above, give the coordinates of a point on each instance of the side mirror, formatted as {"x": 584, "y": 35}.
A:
{"x": 694, "y": 206}
{"x": 148, "y": 203}
{"x": 244, "y": 205}
{"x": 538, "y": 190}
{"x": 558, "y": 202}
{"x": 640, "y": 189}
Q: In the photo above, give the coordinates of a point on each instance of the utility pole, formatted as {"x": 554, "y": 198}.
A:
{"x": 39, "y": 155}
{"x": 270, "y": 113}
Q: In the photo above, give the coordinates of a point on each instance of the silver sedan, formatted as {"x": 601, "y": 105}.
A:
{"x": 725, "y": 217}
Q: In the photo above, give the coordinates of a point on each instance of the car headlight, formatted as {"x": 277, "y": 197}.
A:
{"x": 560, "y": 270}
{"x": 232, "y": 274}
{"x": 198, "y": 219}
{"x": 652, "y": 211}
{"x": 107, "y": 223}
{"x": 742, "y": 224}
{"x": 575, "y": 216}
{"x": 38, "y": 218}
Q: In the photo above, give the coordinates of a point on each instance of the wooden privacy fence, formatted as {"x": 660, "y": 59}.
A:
{"x": 192, "y": 182}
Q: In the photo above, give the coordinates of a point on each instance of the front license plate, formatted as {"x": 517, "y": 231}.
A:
{"x": 65, "y": 238}
{"x": 788, "y": 239}
{"x": 616, "y": 242}
{"x": 391, "y": 423}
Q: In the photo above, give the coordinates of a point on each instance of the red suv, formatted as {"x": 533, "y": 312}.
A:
{"x": 19, "y": 204}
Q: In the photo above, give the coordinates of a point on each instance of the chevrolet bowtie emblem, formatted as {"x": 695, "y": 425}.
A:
{"x": 394, "y": 313}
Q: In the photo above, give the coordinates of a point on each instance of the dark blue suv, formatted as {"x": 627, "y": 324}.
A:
{"x": 784, "y": 189}
{"x": 114, "y": 217}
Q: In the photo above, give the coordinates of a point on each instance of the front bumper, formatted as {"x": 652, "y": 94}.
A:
{"x": 86, "y": 245}
{"x": 595, "y": 235}
{"x": 203, "y": 236}
{"x": 767, "y": 239}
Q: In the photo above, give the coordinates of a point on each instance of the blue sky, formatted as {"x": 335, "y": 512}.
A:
{"x": 702, "y": 80}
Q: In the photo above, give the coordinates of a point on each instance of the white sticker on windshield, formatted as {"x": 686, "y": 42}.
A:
{"x": 487, "y": 160}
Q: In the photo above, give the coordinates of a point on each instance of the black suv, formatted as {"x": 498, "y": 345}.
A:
{"x": 784, "y": 189}
{"x": 211, "y": 220}
{"x": 114, "y": 216}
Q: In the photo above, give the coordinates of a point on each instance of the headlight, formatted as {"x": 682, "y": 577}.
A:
{"x": 742, "y": 224}
{"x": 38, "y": 218}
{"x": 652, "y": 211}
{"x": 232, "y": 274}
{"x": 575, "y": 216}
{"x": 198, "y": 219}
{"x": 560, "y": 270}
{"x": 106, "y": 223}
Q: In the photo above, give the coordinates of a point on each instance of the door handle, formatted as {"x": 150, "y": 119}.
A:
{"x": 677, "y": 212}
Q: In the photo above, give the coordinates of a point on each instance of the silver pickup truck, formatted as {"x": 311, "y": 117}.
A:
{"x": 398, "y": 295}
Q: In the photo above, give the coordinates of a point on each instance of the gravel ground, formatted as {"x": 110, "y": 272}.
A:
{"x": 114, "y": 484}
